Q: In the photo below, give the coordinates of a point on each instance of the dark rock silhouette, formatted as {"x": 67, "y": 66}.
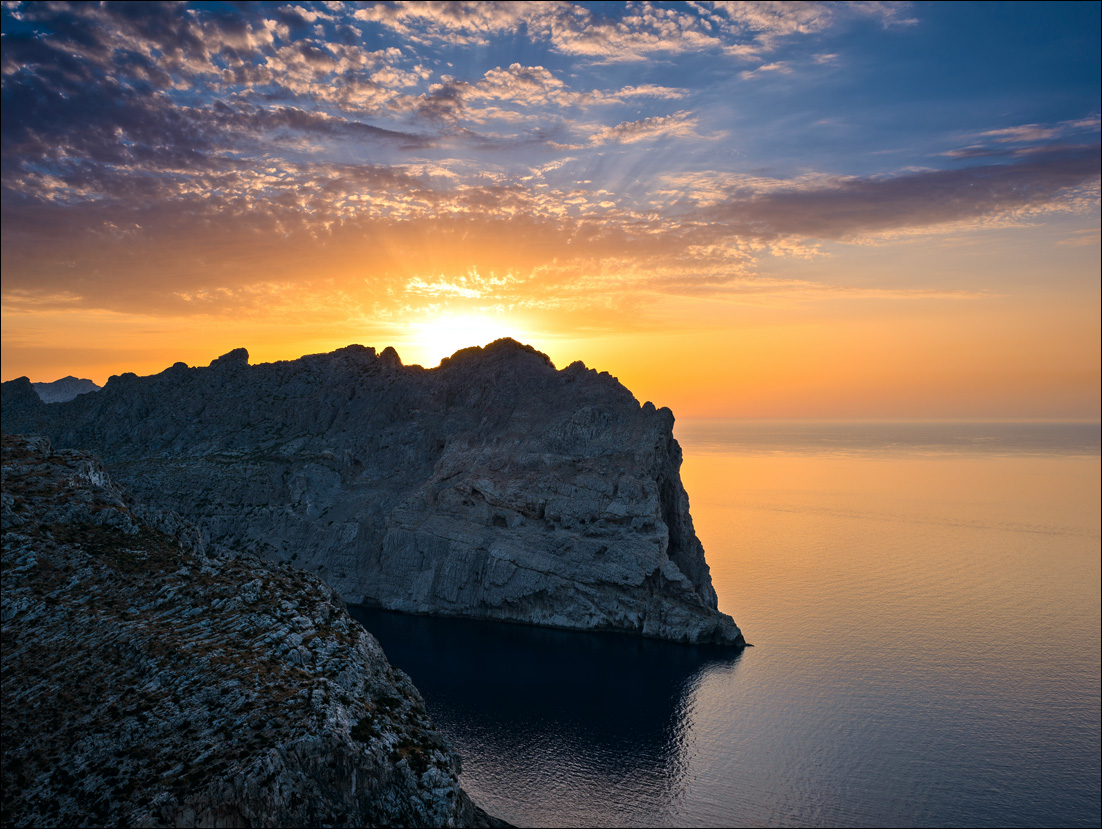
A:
{"x": 64, "y": 389}
{"x": 493, "y": 486}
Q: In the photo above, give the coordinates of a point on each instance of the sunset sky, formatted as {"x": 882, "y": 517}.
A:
{"x": 739, "y": 209}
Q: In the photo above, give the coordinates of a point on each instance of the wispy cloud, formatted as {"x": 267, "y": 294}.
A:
{"x": 1033, "y": 133}
{"x": 1027, "y": 138}
{"x": 853, "y": 206}
{"x": 678, "y": 125}
{"x": 777, "y": 67}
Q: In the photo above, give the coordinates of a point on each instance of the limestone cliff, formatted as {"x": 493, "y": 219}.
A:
{"x": 148, "y": 685}
{"x": 493, "y": 486}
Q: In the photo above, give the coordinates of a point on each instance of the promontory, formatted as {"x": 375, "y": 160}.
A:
{"x": 493, "y": 486}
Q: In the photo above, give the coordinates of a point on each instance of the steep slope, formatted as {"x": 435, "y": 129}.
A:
{"x": 148, "y": 685}
{"x": 493, "y": 486}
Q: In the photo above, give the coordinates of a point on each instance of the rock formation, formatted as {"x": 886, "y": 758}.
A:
{"x": 148, "y": 685}
{"x": 493, "y": 486}
{"x": 64, "y": 389}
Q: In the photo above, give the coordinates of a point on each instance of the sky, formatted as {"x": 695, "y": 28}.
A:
{"x": 757, "y": 209}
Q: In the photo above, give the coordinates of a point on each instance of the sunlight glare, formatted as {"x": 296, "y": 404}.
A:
{"x": 442, "y": 336}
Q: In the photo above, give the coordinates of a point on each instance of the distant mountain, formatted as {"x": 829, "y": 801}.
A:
{"x": 492, "y": 486}
{"x": 148, "y": 684}
{"x": 64, "y": 389}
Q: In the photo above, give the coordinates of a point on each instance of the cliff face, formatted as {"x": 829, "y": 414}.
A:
{"x": 493, "y": 486}
{"x": 147, "y": 685}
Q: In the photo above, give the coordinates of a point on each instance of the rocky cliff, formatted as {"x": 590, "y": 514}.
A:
{"x": 493, "y": 486}
{"x": 148, "y": 685}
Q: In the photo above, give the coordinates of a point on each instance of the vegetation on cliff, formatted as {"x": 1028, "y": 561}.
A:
{"x": 145, "y": 683}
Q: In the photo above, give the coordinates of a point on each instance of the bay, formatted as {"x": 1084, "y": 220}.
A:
{"x": 924, "y": 605}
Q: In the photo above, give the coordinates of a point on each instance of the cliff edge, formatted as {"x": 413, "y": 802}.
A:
{"x": 493, "y": 486}
{"x": 148, "y": 685}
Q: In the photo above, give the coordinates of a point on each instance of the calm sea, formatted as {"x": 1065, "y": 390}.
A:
{"x": 923, "y": 600}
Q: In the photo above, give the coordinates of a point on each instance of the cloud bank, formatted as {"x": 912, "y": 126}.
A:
{"x": 171, "y": 158}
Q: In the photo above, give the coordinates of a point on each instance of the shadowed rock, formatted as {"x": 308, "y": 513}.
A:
{"x": 64, "y": 389}
{"x": 148, "y": 685}
{"x": 493, "y": 486}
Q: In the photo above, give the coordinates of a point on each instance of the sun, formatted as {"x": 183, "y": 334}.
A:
{"x": 441, "y": 336}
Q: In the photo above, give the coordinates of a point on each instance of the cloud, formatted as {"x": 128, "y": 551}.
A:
{"x": 104, "y": 85}
{"x": 619, "y": 33}
{"x": 1026, "y": 132}
{"x": 751, "y": 29}
{"x": 114, "y": 90}
{"x": 464, "y": 23}
{"x": 527, "y": 87}
{"x": 678, "y": 125}
{"x": 631, "y": 33}
{"x": 1038, "y": 135}
{"x": 773, "y": 19}
{"x": 854, "y": 206}
{"x": 888, "y": 13}
{"x": 156, "y": 42}
{"x": 471, "y": 285}
{"x": 644, "y": 30}
{"x": 1035, "y": 133}
{"x": 741, "y": 285}
{"x": 780, "y": 67}
{"x": 404, "y": 231}
{"x": 178, "y": 160}
{"x": 1082, "y": 238}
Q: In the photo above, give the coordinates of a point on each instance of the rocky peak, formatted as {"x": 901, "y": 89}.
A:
{"x": 389, "y": 357}
{"x": 20, "y": 400}
{"x": 503, "y": 351}
{"x": 237, "y": 358}
{"x": 64, "y": 389}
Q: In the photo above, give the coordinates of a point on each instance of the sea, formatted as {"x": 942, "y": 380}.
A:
{"x": 923, "y": 605}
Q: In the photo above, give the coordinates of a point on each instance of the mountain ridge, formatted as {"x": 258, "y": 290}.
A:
{"x": 64, "y": 389}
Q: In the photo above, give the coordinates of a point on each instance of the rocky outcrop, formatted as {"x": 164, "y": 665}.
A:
{"x": 148, "y": 685}
{"x": 64, "y": 389}
{"x": 493, "y": 486}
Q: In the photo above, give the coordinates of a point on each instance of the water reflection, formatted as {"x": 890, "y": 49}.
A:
{"x": 523, "y": 704}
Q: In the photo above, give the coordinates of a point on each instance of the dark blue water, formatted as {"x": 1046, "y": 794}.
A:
{"x": 573, "y": 725}
{"x": 926, "y": 622}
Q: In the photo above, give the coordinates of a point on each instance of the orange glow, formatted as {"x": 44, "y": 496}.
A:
{"x": 781, "y": 347}
{"x": 692, "y": 202}
{"x": 440, "y": 336}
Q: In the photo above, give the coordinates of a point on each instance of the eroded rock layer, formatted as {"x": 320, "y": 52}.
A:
{"x": 148, "y": 685}
{"x": 493, "y": 486}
